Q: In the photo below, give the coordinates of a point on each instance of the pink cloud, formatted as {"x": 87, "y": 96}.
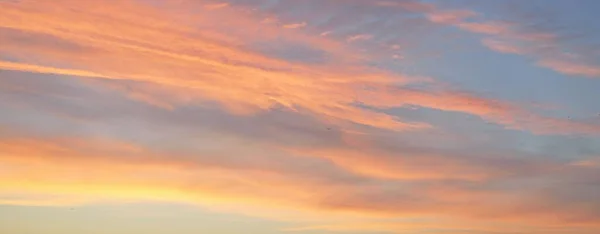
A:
{"x": 571, "y": 68}
{"x": 296, "y": 25}
{"x": 492, "y": 28}
{"x": 359, "y": 37}
{"x": 501, "y": 46}
{"x": 216, "y": 5}
{"x": 503, "y": 31}
{"x": 449, "y": 16}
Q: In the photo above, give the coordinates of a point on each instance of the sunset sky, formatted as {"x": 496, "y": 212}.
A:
{"x": 299, "y": 117}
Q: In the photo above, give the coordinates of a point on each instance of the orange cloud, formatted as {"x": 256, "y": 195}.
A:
{"x": 179, "y": 58}
{"x": 253, "y": 82}
{"x": 213, "y": 65}
{"x": 364, "y": 156}
{"x": 296, "y": 25}
{"x": 5, "y": 65}
{"x": 49, "y": 170}
{"x": 457, "y": 226}
{"x": 216, "y": 5}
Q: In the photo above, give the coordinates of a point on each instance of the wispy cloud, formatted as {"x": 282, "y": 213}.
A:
{"x": 359, "y": 37}
{"x": 332, "y": 97}
{"x": 544, "y": 46}
{"x": 515, "y": 35}
{"x": 502, "y": 46}
{"x": 180, "y": 102}
{"x": 296, "y": 25}
{"x": 217, "y": 5}
{"x": 571, "y": 68}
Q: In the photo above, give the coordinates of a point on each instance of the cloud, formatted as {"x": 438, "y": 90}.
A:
{"x": 491, "y": 28}
{"x": 594, "y": 162}
{"x": 6, "y": 65}
{"x": 544, "y": 46}
{"x": 55, "y": 167}
{"x": 571, "y": 68}
{"x": 501, "y": 46}
{"x": 86, "y": 167}
{"x": 449, "y": 16}
{"x": 433, "y": 224}
{"x": 397, "y": 160}
{"x": 338, "y": 174}
{"x": 209, "y": 61}
{"x": 216, "y": 5}
{"x": 296, "y": 25}
{"x": 548, "y": 50}
{"x": 360, "y": 37}
{"x": 179, "y": 104}
{"x": 258, "y": 73}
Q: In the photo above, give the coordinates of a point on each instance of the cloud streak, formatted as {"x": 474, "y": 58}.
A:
{"x": 517, "y": 36}
{"x": 296, "y": 118}
{"x": 263, "y": 82}
{"x": 506, "y": 37}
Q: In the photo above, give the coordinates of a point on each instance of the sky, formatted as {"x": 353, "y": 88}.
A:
{"x": 299, "y": 117}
